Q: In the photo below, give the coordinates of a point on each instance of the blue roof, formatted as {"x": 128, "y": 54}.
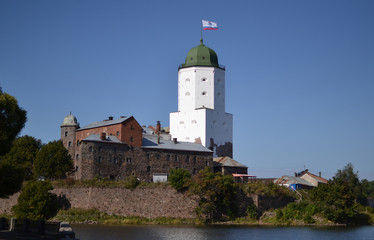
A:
{"x": 104, "y": 123}
{"x": 150, "y": 142}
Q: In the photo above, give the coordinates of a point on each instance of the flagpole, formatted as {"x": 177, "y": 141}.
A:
{"x": 201, "y": 28}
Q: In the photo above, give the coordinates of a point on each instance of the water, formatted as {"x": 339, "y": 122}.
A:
{"x": 104, "y": 232}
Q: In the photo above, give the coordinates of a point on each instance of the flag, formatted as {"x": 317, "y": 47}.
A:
{"x": 207, "y": 25}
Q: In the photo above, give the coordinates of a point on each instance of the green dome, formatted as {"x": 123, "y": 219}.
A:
{"x": 201, "y": 56}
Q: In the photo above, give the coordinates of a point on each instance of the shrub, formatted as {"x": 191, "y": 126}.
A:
{"x": 179, "y": 178}
{"x": 36, "y": 202}
{"x": 131, "y": 182}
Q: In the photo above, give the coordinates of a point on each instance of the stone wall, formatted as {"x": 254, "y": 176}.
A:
{"x": 143, "y": 202}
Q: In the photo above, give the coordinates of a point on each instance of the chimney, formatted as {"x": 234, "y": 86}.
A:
{"x": 123, "y": 117}
{"x": 158, "y": 127}
{"x": 110, "y": 118}
{"x": 175, "y": 140}
{"x": 158, "y": 140}
{"x": 319, "y": 173}
{"x": 103, "y": 136}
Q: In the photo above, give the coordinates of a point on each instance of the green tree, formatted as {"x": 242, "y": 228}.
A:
{"x": 23, "y": 153}
{"x": 12, "y": 120}
{"x": 367, "y": 188}
{"x": 217, "y": 194}
{"x": 349, "y": 178}
{"x": 36, "y": 202}
{"x": 11, "y": 179}
{"x": 338, "y": 200}
{"x": 52, "y": 161}
{"x": 179, "y": 178}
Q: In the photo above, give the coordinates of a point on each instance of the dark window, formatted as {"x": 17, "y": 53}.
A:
{"x": 99, "y": 159}
{"x": 128, "y": 160}
{"x": 206, "y": 163}
{"x": 131, "y": 139}
{"x": 157, "y": 156}
{"x": 194, "y": 160}
{"x": 117, "y": 133}
{"x": 132, "y": 127}
{"x": 194, "y": 171}
{"x": 176, "y": 158}
{"x": 187, "y": 159}
{"x": 77, "y": 142}
{"x": 66, "y": 134}
{"x": 147, "y": 155}
{"x": 69, "y": 144}
{"x": 167, "y": 157}
{"x": 90, "y": 149}
{"x": 77, "y": 156}
{"x": 148, "y": 169}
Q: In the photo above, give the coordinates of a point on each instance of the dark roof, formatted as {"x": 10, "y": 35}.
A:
{"x": 104, "y": 123}
{"x": 108, "y": 139}
{"x": 150, "y": 142}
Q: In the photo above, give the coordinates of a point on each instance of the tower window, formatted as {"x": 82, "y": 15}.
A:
{"x": 90, "y": 149}
{"x": 131, "y": 139}
{"x": 69, "y": 144}
{"x": 66, "y": 134}
{"x": 204, "y": 93}
{"x": 203, "y": 79}
{"x": 148, "y": 169}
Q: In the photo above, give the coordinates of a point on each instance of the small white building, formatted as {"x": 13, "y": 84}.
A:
{"x": 201, "y": 115}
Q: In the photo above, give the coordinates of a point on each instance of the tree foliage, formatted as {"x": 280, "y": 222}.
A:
{"x": 36, "y": 202}
{"x": 339, "y": 199}
{"x": 179, "y": 178}
{"x": 12, "y": 120}
{"x": 52, "y": 161}
{"x": 11, "y": 179}
{"x": 23, "y": 153}
{"x": 217, "y": 194}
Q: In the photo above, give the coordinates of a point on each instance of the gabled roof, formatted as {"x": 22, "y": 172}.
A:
{"x": 104, "y": 123}
{"x": 150, "y": 142}
{"x": 227, "y": 162}
{"x": 289, "y": 180}
{"x": 319, "y": 179}
{"x": 108, "y": 139}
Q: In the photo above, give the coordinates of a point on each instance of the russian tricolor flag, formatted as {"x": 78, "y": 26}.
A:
{"x": 207, "y": 25}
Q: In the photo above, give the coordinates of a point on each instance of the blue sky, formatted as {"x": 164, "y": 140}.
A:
{"x": 299, "y": 74}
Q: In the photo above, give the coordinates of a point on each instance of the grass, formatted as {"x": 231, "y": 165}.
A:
{"x": 130, "y": 183}
{"x": 95, "y": 216}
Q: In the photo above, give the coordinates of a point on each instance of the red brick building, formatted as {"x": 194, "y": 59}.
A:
{"x": 118, "y": 148}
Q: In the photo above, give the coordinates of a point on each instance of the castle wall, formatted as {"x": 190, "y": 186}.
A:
{"x": 118, "y": 161}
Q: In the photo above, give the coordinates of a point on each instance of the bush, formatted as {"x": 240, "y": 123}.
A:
{"x": 36, "y": 202}
{"x": 252, "y": 211}
{"x": 131, "y": 182}
{"x": 179, "y": 178}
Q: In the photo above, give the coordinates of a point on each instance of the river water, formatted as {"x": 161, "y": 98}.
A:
{"x": 105, "y": 232}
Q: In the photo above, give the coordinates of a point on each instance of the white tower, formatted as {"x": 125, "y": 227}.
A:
{"x": 201, "y": 115}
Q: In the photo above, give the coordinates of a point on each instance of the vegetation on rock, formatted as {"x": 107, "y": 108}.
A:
{"x": 179, "y": 178}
